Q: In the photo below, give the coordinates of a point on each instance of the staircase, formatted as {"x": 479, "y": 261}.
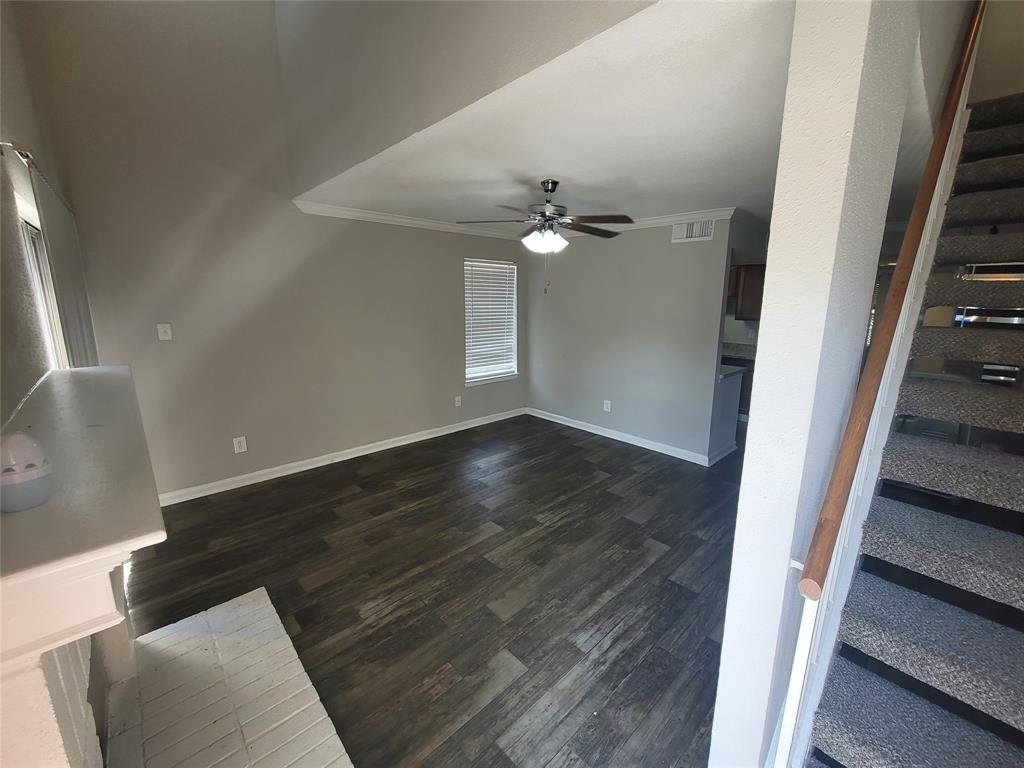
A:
{"x": 930, "y": 664}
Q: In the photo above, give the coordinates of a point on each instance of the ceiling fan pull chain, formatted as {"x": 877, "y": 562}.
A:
{"x": 547, "y": 261}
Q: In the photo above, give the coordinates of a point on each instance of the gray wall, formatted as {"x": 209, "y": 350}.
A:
{"x": 23, "y": 345}
{"x": 634, "y": 320}
{"x": 361, "y": 76}
{"x": 307, "y": 334}
{"x": 999, "y": 68}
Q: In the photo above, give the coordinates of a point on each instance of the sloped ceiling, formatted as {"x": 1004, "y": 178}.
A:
{"x": 676, "y": 108}
{"x": 361, "y": 76}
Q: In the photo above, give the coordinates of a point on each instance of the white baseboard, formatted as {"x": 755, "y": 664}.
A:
{"x": 259, "y": 476}
{"x": 714, "y": 458}
{"x": 230, "y": 483}
{"x": 643, "y": 442}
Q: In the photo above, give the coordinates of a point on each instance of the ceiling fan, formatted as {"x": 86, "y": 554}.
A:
{"x": 546, "y": 218}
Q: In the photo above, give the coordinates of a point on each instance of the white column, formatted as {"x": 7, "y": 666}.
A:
{"x": 849, "y": 69}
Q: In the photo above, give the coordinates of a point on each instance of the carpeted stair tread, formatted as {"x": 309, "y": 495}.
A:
{"x": 970, "y": 658}
{"x": 973, "y": 557}
{"x": 980, "y": 249}
{"x": 993, "y": 206}
{"x": 946, "y": 290}
{"x": 975, "y": 403}
{"x": 978, "y": 345}
{"x": 993, "y": 142}
{"x": 980, "y": 474}
{"x": 1006, "y": 110}
{"x": 813, "y": 762}
{"x": 864, "y": 721}
{"x": 991, "y": 173}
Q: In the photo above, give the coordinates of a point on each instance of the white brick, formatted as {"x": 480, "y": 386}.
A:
{"x": 286, "y": 731}
{"x": 273, "y": 697}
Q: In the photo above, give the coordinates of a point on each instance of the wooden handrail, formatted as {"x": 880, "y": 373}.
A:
{"x": 819, "y": 556}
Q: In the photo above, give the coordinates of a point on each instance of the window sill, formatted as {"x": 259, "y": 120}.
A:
{"x": 492, "y": 379}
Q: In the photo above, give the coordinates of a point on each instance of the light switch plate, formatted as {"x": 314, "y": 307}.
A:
{"x": 458, "y": 401}
{"x": 239, "y": 444}
{"x": 607, "y": 406}
{"x": 164, "y": 332}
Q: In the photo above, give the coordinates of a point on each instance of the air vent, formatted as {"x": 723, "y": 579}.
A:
{"x": 692, "y": 231}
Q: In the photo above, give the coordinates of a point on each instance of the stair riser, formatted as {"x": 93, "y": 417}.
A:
{"x": 979, "y": 249}
{"x": 995, "y": 173}
{"x": 961, "y": 553}
{"x": 982, "y": 405}
{"x": 1006, "y": 110}
{"x": 995, "y": 142}
{"x": 962, "y": 655}
{"x": 985, "y": 209}
{"x": 864, "y": 721}
{"x": 970, "y": 344}
{"x": 985, "y": 476}
{"x": 949, "y": 291}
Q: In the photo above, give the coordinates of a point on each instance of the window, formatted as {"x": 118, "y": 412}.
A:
{"x": 490, "y": 288}
{"x": 46, "y": 296}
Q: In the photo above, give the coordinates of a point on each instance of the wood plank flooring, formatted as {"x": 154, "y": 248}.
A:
{"x": 519, "y": 594}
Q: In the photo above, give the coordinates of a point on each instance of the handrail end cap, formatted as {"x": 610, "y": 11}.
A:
{"x": 810, "y": 589}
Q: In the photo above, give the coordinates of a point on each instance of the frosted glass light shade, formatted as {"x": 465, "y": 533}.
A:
{"x": 546, "y": 241}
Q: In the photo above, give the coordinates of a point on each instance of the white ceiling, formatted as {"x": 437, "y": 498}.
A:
{"x": 678, "y": 108}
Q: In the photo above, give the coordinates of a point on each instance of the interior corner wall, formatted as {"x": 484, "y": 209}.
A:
{"x": 312, "y": 335}
{"x": 635, "y": 320}
{"x": 309, "y": 335}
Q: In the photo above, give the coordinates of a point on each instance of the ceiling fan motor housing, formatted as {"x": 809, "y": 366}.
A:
{"x": 548, "y": 210}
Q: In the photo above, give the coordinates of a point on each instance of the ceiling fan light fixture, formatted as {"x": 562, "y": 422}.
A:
{"x": 545, "y": 241}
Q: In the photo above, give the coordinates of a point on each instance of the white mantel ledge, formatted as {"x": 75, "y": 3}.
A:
{"x": 57, "y": 559}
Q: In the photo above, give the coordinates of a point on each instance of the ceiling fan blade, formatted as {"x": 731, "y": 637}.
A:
{"x": 526, "y": 232}
{"x": 494, "y": 221}
{"x": 590, "y": 230}
{"x": 611, "y": 218}
{"x": 513, "y": 208}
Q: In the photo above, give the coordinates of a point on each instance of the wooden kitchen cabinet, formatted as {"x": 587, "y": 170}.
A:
{"x": 749, "y": 291}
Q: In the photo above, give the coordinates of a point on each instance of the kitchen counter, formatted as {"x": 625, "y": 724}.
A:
{"x": 724, "y": 412}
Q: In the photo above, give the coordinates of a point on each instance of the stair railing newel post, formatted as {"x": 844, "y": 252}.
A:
{"x": 821, "y": 550}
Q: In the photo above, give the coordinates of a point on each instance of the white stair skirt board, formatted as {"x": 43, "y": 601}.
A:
{"x": 225, "y": 689}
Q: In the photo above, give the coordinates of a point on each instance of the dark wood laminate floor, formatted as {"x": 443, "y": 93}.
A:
{"x": 519, "y": 594}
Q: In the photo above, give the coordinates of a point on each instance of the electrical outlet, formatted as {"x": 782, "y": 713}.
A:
{"x": 164, "y": 332}
{"x": 607, "y": 406}
{"x": 239, "y": 444}
{"x": 458, "y": 401}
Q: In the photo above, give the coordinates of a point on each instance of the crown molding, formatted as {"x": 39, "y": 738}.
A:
{"x": 677, "y": 218}
{"x": 379, "y": 217}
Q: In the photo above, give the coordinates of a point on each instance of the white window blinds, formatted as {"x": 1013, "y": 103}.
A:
{"x": 490, "y": 288}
